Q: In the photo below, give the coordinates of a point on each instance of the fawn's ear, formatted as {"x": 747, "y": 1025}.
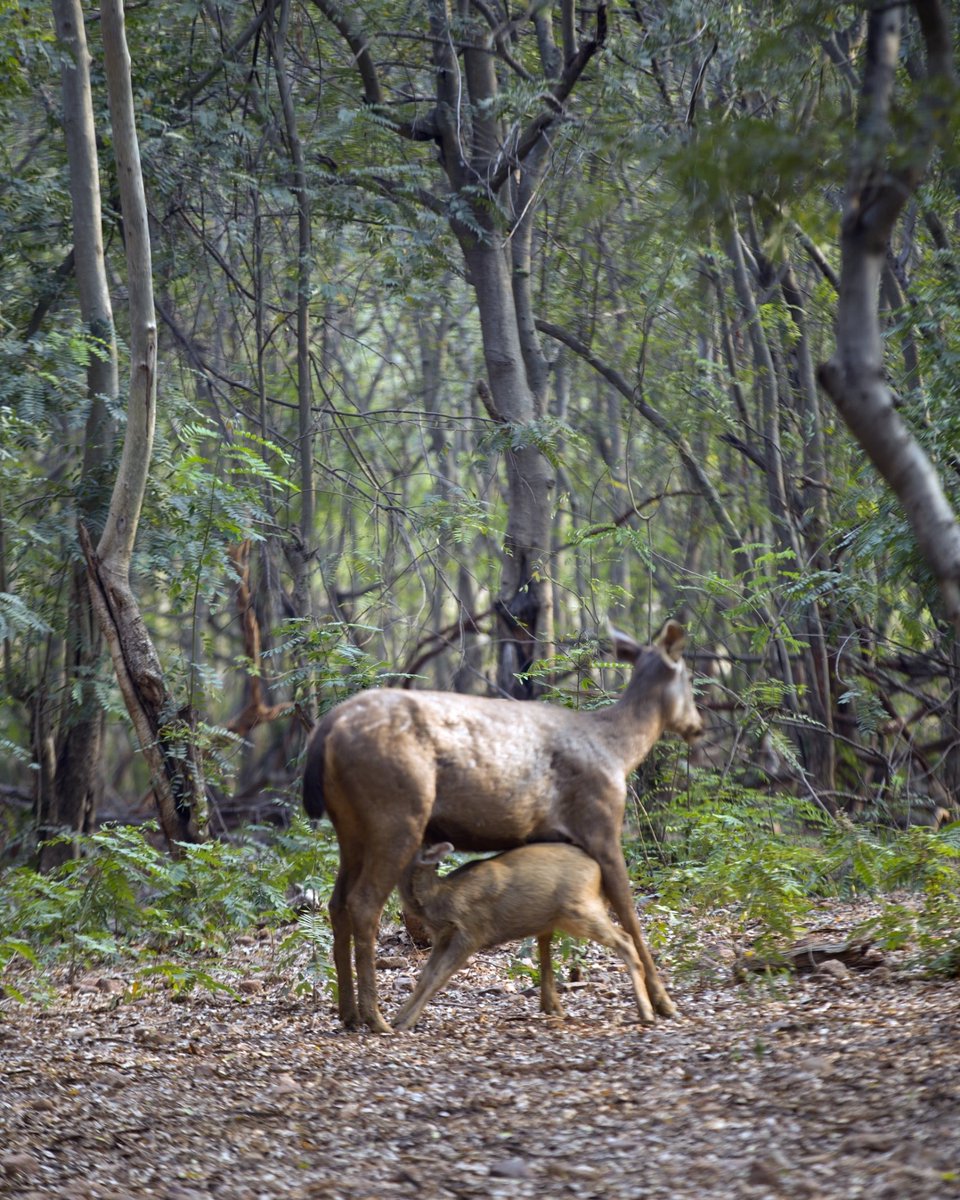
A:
{"x": 428, "y": 855}
{"x": 671, "y": 639}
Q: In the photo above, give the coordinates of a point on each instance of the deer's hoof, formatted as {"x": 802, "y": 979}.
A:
{"x": 666, "y": 1007}
{"x": 554, "y": 1010}
{"x": 403, "y": 1023}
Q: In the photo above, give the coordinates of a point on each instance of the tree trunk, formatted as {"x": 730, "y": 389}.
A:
{"x": 301, "y": 553}
{"x": 525, "y": 593}
{"x": 72, "y": 799}
{"x": 876, "y": 194}
{"x": 164, "y": 734}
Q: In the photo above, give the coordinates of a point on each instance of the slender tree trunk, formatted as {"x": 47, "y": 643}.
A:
{"x": 815, "y": 745}
{"x": 813, "y": 531}
{"x": 301, "y": 554}
{"x": 71, "y": 801}
{"x": 164, "y": 734}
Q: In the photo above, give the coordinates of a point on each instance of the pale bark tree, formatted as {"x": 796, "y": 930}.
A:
{"x": 73, "y": 796}
{"x": 164, "y": 734}
{"x": 878, "y": 188}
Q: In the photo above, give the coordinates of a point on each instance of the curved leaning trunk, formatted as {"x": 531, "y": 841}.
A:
{"x": 877, "y": 191}
{"x": 162, "y": 730}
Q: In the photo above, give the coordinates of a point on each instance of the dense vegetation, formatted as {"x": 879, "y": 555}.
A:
{"x": 476, "y": 328}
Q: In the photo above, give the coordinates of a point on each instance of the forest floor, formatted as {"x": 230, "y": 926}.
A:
{"x": 823, "y": 1086}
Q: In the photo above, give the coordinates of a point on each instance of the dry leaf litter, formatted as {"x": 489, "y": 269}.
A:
{"x": 826, "y": 1086}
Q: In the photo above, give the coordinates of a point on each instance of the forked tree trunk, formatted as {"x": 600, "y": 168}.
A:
{"x": 165, "y": 735}
{"x": 72, "y": 799}
{"x": 525, "y": 599}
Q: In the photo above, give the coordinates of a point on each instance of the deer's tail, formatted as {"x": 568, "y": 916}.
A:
{"x": 313, "y": 773}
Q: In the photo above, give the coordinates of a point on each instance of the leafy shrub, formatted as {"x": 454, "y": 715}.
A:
{"x": 126, "y": 899}
{"x": 925, "y": 864}
{"x": 750, "y": 866}
{"x": 724, "y": 857}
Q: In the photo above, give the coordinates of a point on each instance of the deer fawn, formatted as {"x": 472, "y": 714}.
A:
{"x": 529, "y": 892}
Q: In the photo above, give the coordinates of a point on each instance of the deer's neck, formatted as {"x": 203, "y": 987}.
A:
{"x": 637, "y": 719}
{"x": 636, "y": 725}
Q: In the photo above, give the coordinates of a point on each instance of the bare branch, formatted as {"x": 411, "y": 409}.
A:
{"x": 659, "y": 422}
{"x": 500, "y": 32}
{"x": 418, "y": 130}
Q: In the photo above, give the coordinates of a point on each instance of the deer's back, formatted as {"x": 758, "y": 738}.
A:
{"x": 485, "y": 773}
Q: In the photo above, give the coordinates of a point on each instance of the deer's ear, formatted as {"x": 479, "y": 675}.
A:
{"x": 434, "y": 854}
{"x": 671, "y": 639}
{"x": 624, "y": 647}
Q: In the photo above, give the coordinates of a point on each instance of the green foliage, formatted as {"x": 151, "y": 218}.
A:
{"x": 925, "y": 865}
{"x": 745, "y": 866}
{"x": 126, "y": 900}
{"x": 750, "y": 867}
{"x": 548, "y": 434}
{"x": 16, "y": 617}
{"x": 569, "y": 677}
{"x": 726, "y": 859}
{"x": 214, "y": 493}
{"x": 455, "y": 518}
{"x": 308, "y": 949}
{"x": 567, "y": 953}
{"x": 330, "y": 664}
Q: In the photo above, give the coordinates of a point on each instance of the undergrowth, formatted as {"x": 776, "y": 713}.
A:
{"x": 126, "y": 901}
{"x": 750, "y": 867}
{"x": 728, "y": 866}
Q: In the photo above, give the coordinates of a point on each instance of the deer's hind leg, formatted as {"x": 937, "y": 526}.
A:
{"x": 549, "y": 1000}
{"x": 384, "y": 859}
{"x": 365, "y": 905}
{"x": 342, "y": 939}
{"x": 593, "y": 921}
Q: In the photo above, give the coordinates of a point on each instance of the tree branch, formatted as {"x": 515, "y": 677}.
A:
{"x": 659, "y": 422}
{"x": 418, "y": 130}
{"x": 555, "y": 98}
{"x": 876, "y": 194}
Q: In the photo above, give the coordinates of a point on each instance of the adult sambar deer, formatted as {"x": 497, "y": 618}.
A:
{"x": 394, "y": 768}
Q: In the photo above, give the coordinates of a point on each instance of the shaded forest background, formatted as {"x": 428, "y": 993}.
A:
{"x": 476, "y": 327}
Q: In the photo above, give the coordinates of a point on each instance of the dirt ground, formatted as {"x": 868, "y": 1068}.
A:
{"x": 826, "y": 1087}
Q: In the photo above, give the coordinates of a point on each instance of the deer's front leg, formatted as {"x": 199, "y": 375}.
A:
{"x": 450, "y": 951}
{"x": 616, "y": 886}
